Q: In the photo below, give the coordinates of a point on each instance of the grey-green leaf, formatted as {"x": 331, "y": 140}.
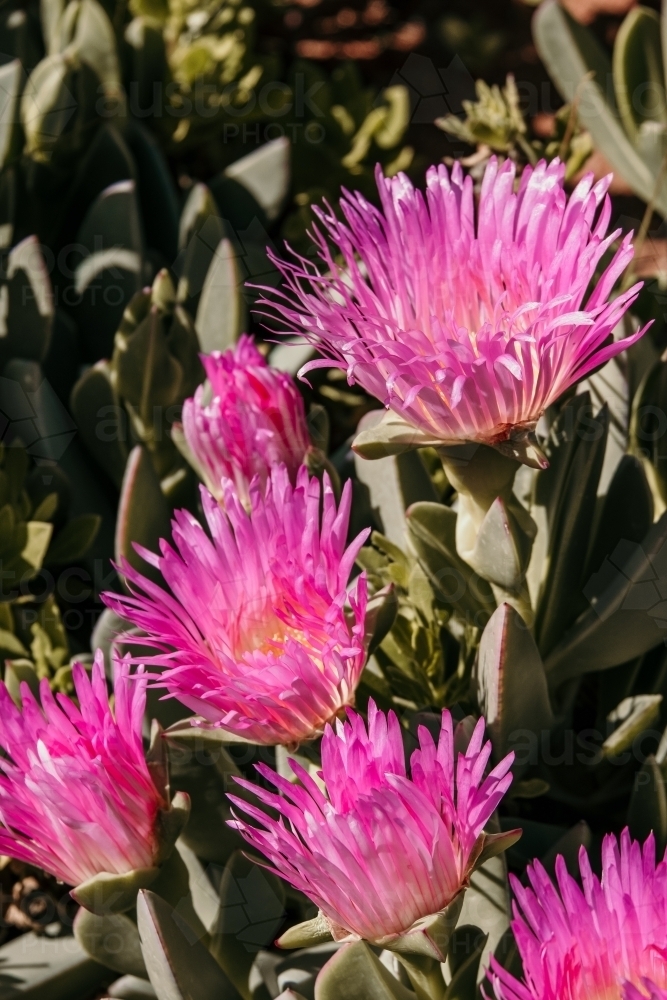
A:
{"x": 74, "y": 540}
{"x": 627, "y": 614}
{"x": 252, "y": 908}
{"x": 221, "y": 313}
{"x": 178, "y": 968}
{"x": 143, "y": 514}
{"x": 432, "y": 531}
{"x": 266, "y": 174}
{"x": 355, "y": 973}
{"x": 394, "y": 483}
{"x": 486, "y": 903}
{"x": 511, "y": 683}
{"x": 101, "y": 420}
{"x": 200, "y": 233}
{"x": 561, "y": 597}
{"x": 571, "y": 51}
{"x": 648, "y": 805}
{"x": 637, "y": 69}
{"x": 465, "y": 952}
{"x": 112, "y": 940}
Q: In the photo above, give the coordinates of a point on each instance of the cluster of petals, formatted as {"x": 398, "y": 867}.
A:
{"x": 378, "y": 849}
{"x": 467, "y": 323}
{"x": 76, "y": 794}
{"x": 256, "y": 635}
{"x": 605, "y": 940}
{"x": 246, "y": 418}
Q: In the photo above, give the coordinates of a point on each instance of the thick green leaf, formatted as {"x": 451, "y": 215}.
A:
{"x": 394, "y": 483}
{"x": 112, "y": 270}
{"x": 290, "y": 355}
{"x": 432, "y": 533}
{"x": 627, "y": 512}
{"x": 465, "y": 952}
{"x": 85, "y": 28}
{"x": 429, "y": 936}
{"x": 200, "y": 232}
{"x": 638, "y": 72}
{"x": 143, "y": 514}
{"x": 26, "y": 304}
{"x": 178, "y": 968}
{"x": 634, "y": 715}
{"x": 306, "y": 934}
{"x": 501, "y": 550}
{"x": 112, "y": 940}
{"x": 355, "y": 973}
{"x": 390, "y": 435}
{"x": 74, "y": 540}
{"x": 570, "y": 51}
{"x": 252, "y": 908}
{"x": 147, "y": 373}
{"x": 486, "y": 903}
{"x": 568, "y": 846}
{"x": 38, "y": 536}
{"x": 107, "y": 161}
{"x": 610, "y": 385}
{"x": 10, "y": 86}
{"x": 266, "y": 174}
{"x": 101, "y": 420}
{"x": 648, "y": 805}
{"x": 50, "y": 12}
{"x": 206, "y": 774}
{"x": 203, "y": 892}
{"x": 200, "y": 735}
{"x": 173, "y": 885}
{"x": 648, "y": 440}
{"x": 627, "y": 616}
{"x": 158, "y": 198}
{"x": 380, "y": 616}
{"x": 131, "y": 988}
{"x": 511, "y": 683}
{"x": 221, "y": 313}
{"x": 47, "y": 104}
{"x": 106, "y": 893}
{"x": 18, "y": 671}
{"x": 238, "y": 207}
{"x": 561, "y": 597}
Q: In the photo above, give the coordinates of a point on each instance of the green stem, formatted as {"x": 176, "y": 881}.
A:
{"x": 425, "y": 975}
{"x": 480, "y": 474}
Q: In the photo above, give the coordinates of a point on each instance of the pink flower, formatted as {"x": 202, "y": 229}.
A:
{"x": 608, "y": 942}
{"x": 466, "y": 324}
{"x": 76, "y": 794}
{"x": 378, "y": 850}
{"x": 256, "y": 637}
{"x": 246, "y": 419}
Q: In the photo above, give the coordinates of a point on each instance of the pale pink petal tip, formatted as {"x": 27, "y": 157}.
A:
{"x": 76, "y": 794}
{"x": 379, "y": 848}
{"x": 603, "y": 940}
{"x": 467, "y": 320}
{"x": 254, "y": 633}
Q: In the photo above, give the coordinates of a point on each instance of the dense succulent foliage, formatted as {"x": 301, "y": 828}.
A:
{"x": 334, "y": 648}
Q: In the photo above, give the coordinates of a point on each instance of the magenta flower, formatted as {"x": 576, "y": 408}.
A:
{"x": 466, "y": 324}
{"x": 248, "y": 418}
{"x": 378, "y": 849}
{"x": 255, "y": 635}
{"x": 607, "y": 942}
{"x": 76, "y": 795}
